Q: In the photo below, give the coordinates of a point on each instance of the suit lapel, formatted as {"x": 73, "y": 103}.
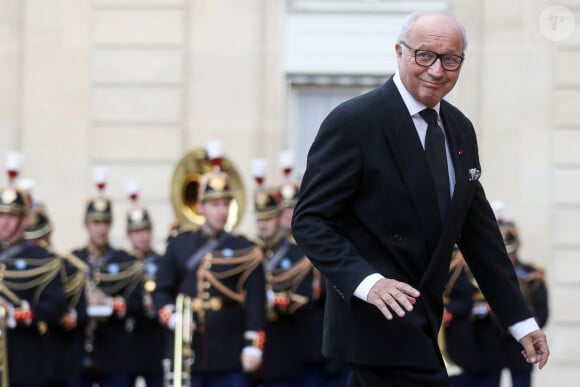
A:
{"x": 409, "y": 156}
{"x": 455, "y": 139}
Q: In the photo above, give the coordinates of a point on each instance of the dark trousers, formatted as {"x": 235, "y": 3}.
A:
{"x": 115, "y": 380}
{"x": 150, "y": 380}
{"x": 319, "y": 376}
{"x": 367, "y": 376}
{"x": 521, "y": 378}
{"x": 477, "y": 379}
{"x": 220, "y": 379}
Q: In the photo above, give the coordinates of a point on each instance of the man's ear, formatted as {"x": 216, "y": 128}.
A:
{"x": 399, "y": 50}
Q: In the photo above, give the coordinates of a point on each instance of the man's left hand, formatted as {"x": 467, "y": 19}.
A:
{"x": 536, "y": 349}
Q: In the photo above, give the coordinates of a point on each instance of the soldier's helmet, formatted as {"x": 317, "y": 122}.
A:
{"x": 510, "y": 236}
{"x": 290, "y": 192}
{"x": 14, "y": 201}
{"x": 267, "y": 203}
{"x": 290, "y": 188}
{"x": 39, "y": 224}
{"x": 138, "y": 219}
{"x": 99, "y": 208}
{"x": 214, "y": 185}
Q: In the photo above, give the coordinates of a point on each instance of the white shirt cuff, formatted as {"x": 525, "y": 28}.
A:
{"x": 523, "y": 328}
{"x": 363, "y": 289}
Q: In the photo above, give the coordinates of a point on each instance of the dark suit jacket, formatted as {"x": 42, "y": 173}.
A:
{"x": 368, "y": 204}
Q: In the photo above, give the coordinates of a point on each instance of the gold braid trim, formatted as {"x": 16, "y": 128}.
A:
{"x": 246, "y": 260}
{"x": 43, "y": 276}
{"x": 130, "y": 275}
{"x": 9, "y": 294}
{"x": 75, "y": 283}
{"x": 291, "y": 278}
{"x": 74, "y": 286}
{"x": 41, "y": 266}
{"x": 76, "y": 262}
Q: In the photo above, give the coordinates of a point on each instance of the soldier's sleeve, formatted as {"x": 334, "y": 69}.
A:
{"x": 135, "y": 295}
{"x": 256, "y": 299}
{"x": 51, "y": 303}
{"x": 460, "y": 298}
{"x": 167, "y": 278}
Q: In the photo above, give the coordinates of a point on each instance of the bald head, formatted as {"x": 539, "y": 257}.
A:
{"x": 412, "y": 18}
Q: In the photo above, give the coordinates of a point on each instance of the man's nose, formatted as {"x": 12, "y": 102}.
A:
{"x": 436, "y": 69}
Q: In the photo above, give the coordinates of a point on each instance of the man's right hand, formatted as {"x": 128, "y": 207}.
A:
{"x": 389, "y": 296}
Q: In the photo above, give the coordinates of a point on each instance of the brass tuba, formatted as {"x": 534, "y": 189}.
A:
{"x": 184, "y": 188}
{"x": 178, "y": 374}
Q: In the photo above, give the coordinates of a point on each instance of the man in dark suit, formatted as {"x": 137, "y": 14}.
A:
{"x": 379, "y": 218}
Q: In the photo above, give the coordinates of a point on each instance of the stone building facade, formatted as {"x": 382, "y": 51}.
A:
{"x": 136, "y": 84}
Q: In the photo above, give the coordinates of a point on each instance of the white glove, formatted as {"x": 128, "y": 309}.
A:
{"x": 167, "y": 316}
{"x": 251, "y": 358}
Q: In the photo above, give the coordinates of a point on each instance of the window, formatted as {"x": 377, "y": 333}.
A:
{"x": 310, "y": 101}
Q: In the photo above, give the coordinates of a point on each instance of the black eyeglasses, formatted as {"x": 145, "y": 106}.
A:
{"x": 426, "y": 58}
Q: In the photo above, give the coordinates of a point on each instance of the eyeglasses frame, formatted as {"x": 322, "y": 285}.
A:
{"x": 437, "y": 56}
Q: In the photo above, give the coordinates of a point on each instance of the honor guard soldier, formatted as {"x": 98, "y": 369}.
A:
{"x": 149, "y": 337}
{"x": 285, "y": 267}
{"x": 223, "y": 274}
{"x": 318, "y": 370}
{"x": 113, "y": 298}
{"x": 533, "y": 285}
{"x": 471, "y": 332}
{"x": 67, "y": 339}
{"x": 31, "y": 296}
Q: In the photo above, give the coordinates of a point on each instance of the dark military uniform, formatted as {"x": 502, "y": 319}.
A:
{"x": 116, "y": 273}
{"x": 228, "y": 290}
{"x": 223, "y": 275}
{"x": 66, "y": 341}
{"x": 318, "y": 370}
{"x": 285, "y": 267}
{"x": 149, "y": 338}
{"x": 472, "y": 334}
{"x": 32, "y": 275}
{"x": 30, "y": 282}
{"x": 111, "y": 274}
{"x": 533, "y": 286}
{"x": 68, "y": 349}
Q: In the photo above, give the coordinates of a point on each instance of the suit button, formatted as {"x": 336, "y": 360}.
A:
{"x": 397, "y": 237}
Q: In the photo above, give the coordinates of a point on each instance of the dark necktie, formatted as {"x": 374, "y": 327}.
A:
{"x": 437, "y": 158}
